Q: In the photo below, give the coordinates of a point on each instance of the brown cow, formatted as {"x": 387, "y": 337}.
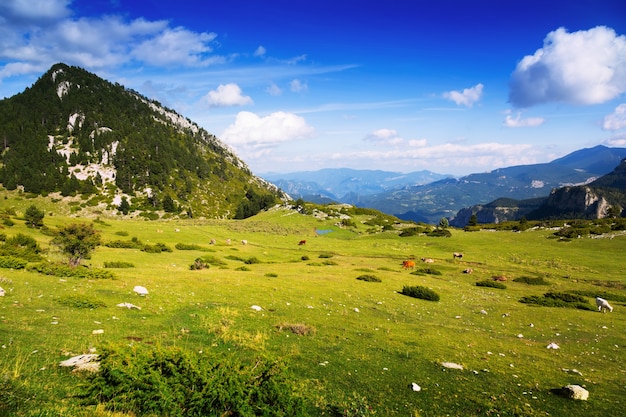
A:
{"x": 408, "y": 265}
{"x": 302, "y": 242}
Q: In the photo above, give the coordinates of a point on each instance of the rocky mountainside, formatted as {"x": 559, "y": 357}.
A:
{"x": 75, "y": 134}
{"x": 603, "y": 197}
{"x": 444, "y": 198}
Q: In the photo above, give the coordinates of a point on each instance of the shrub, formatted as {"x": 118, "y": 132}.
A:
{"x": 429, "y": 270}
{"x": 156, "y": 248}
{"x": 11, "y": 262}
{"x": 297, "y": 328}
{"x": 490, "y": 283}
{"x": 124, "y": 244}
{"x": 80, "y": 301}
{"x": 63, "y": 270}
{"x": 186, "y": 246}
{"x": 603, "y": 294}
{"x": 199, "y": 264}
{"x": 171, "y": 382}
{"x": 369, "y": 278}
{"x": 532, "y": 280}
{"x": 420, "y": 292}
{"x": 271, "y": 275}
{"x": 325, "y": 256}
{"x": 305, "y": 258}
{"x": 252, "y": 260}
{"x": 552, "y": 299}
{"x": 118, "y": 265}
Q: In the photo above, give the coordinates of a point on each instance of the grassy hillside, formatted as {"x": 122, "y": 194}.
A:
{"x": 349, "y": 346}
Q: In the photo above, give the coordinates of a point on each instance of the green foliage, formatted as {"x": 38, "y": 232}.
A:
{"x": 21, "y": 246}
{"x": 304, "y": 258}
{"x": 156, "y": 248}
{"x": 119, "y": 264}
{"x": 124, "y": 206}
{"x": 34, "y": 216}
{"x": 199, "y": 264}
{"x": 440, "y": 233}
{"x": 428, "y": 270}
{"x": 418, "y": 291}
{"x": 558, "y": 299}
{"x": 11, "y": 262}
{"x": 356, "y": 406}
{"x": 187, "y": 246}
{"x": 77, "y": 241}
{"x": 531, "y": 280}
{"x": 368, "y": 278}
{"x": 81, "y": 301}
{"x": 325, "y": 256}
{"x": 134, "y": 243}
{"x": 252, "y": 260}
{"x": 491, "y": 283}
{"x": 599, "y": 293}
{"x": 172, "y": 382}
{"x": 61, "y": 270}
{"x": 271, "y": 275}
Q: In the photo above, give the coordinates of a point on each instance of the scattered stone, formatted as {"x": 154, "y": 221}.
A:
{"x": 483, "y": 312}
{"x": 415, "y": 387}
{"x": 452, "y": 365}
{"x": 256, "y": 308}
{"x": 553, "y": 346}
{"x": 520, "y": 336}
{"x": 575, "y": 392}
{"x": 2, "y": 292}
{"x": 140, "y": 290}
{"x": 129, "y": 306}
{"x": 356, "y": 310}
{"x": 87, "y": 362}
{"x": 572, "y": 371}
{"x": 98, "y": 331}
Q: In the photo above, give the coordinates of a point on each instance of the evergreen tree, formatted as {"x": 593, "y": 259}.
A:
{"x": 34, "y": 217}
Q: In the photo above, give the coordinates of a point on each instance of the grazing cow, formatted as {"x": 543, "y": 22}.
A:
{"x": 457, "y": 255}
{"x": 500, "y": 278}
{"x": 212, "y": 242}
{"x": 408, "y": 265}
{"x": 428, "y": 260}
{"x": 228, "y": 241}
{"x": 302, "y": 242}
{"x": 244, "y": 242}
{"x": 603, "y": 305}
{"x": 468, "y": 271}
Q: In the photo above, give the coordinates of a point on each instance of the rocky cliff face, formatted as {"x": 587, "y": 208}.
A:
{"x": 583, "y": 200}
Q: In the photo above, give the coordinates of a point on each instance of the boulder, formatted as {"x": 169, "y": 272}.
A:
{"x": 575, "y": 392}
{"x": 88, "y": 362}
{"x": 140, "y": 290}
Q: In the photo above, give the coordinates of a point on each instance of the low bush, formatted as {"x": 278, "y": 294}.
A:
{"x": 199, "y": 264}
{"x": 252, "y": 260}
{"x": 532, "y": 280}
{"x": 11, "y": 262}
{"x": 81, "y": 301}
{"x": 325, "y": 256}
{"x": 491, "y": 283}
{"x": 65, "y": 271}
{"x": 156, "y": 248}
{"x": 420, "y": 292}
{"x": 186, "y": 246}
{"x": 369, "y": 278}
{"x": 118, "y": 265}
{"x": 603, "y": 294}
{"x": 298, "y": 328}
{"x": 305, "y": 258}
{"x": 271, "y": 275}
{"x": 134, "y": 243}
{"x": 554, "y": 299}
{"x": 172, "y": 382}
{"x": 429, "y": 270}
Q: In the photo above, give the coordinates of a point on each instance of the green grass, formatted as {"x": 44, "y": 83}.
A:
{"x": 345, "y": 343}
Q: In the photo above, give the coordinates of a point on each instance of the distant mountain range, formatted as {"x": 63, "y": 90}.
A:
{"x": 414, "y": 197}
{"x": 346, "y": 185}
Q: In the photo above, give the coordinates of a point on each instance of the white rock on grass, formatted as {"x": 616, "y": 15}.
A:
{"x": 87, "y": 362}
{"x": 129, "y": 306}
{"x": 452, "y": 365}
{"x": 415, "y": 387}
{"x": 1, "y": 292}
{"x": 575, "y": 392}
{"x": 98, "y": 331}
{"x": 140, "y": 290}
{"x": 553, "y": 346}
{"x": 256, "y": 308}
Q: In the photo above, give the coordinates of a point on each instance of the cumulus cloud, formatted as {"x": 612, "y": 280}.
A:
{"x": 227, "y": 95}
{"x": 253, "y": 132}
{"x": 27, "y": 40}
{"x": 467, "y": 97}
{"x": 616, "y": 120}
{"x": 584, "y": 67}
{"x": 298, "y": 86}
{"x": 616, "y": 141}
{"x": 517, "y": 121}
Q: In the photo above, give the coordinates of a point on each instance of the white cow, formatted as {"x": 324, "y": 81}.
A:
{"x": 603, "y": 305}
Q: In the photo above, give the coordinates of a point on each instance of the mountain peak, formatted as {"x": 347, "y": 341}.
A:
{"x": 73, "y": 132}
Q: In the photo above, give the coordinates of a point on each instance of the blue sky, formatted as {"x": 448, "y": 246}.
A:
{"x": 451, "y": 86}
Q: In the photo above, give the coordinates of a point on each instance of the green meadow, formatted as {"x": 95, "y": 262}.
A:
{"x": 347, "y": 345}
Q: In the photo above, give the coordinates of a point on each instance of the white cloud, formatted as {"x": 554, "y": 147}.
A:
{"x": 584, "y": 67}
{"x": 177, "y": 46}
{"x": 616, "y": 141}
{"x": 260, "y": 51}
{"x": 385, "y": 137}
{"x": 298, "y": 86}
{"x": 251, "y": 131}
{"x": 467, "y": 97}
{"x": 517, "y": 121}
{"x": 30, "y": 11}
{"x": 616, "y": 120}
{"x": 227, "y": 95}
{"x": 274, "y": 90}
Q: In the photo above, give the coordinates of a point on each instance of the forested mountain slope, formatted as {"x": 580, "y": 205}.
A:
{"x": 74, "y": 133}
